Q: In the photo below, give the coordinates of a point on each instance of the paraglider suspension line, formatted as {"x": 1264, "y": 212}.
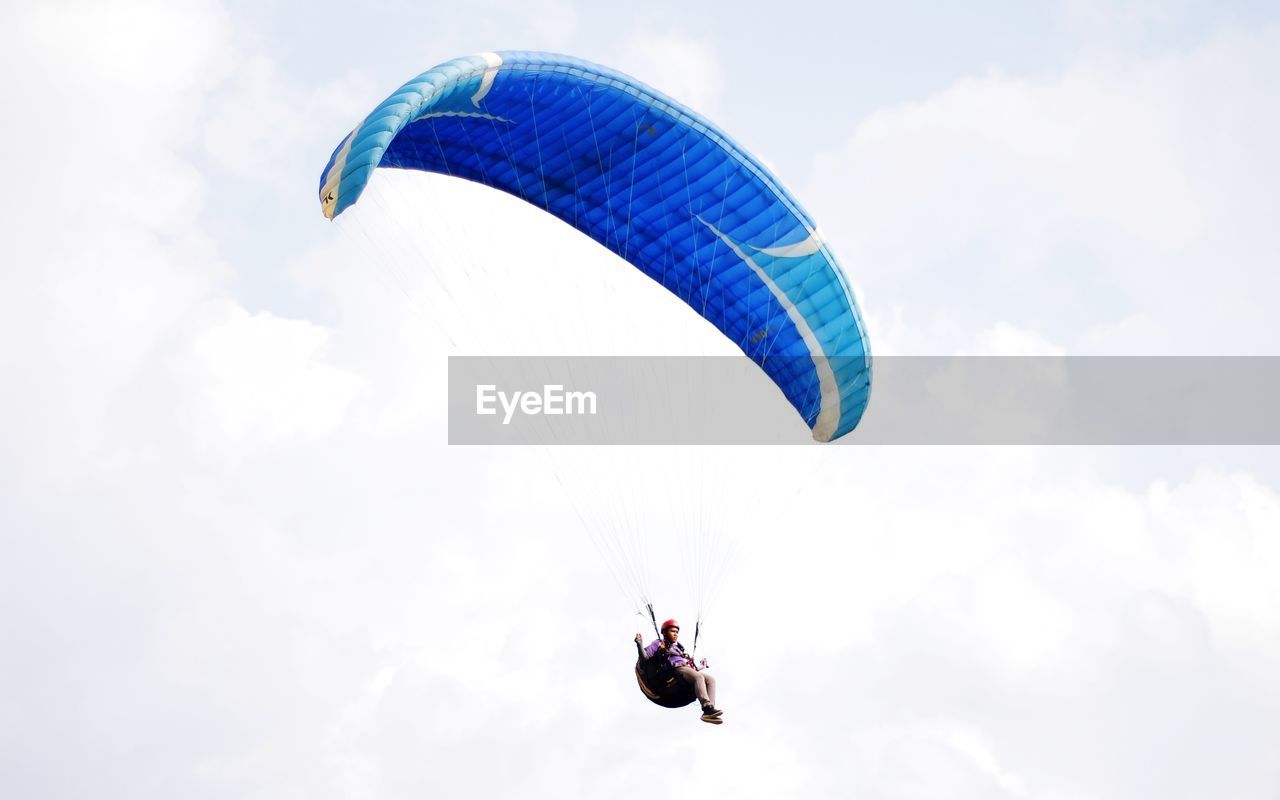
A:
{"x": 653, "y": 619}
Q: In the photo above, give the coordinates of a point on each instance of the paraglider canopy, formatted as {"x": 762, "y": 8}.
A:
{"x": 649, "y": 179}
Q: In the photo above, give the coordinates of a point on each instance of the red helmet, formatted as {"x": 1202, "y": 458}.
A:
{"x": 671, "y": 623}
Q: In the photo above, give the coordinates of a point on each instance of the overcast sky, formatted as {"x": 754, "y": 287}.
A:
{"x": 237, "y": 559}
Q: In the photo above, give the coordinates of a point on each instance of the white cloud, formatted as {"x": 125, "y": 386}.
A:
{"x": 347, "y": 608}
{"x": 257, "y": 377}
{"x": 259, "y": 116}
{"x": 1003, "y": 339}
{"x": 1116, "y": 191}
{"x": 1047, "y": 614}
{"x": 676, "y": 64}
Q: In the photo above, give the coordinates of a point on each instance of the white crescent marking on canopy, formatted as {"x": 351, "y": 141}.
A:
{"x": 808, "y": 247}
{"x": 829, "y": 411}
{"x": 486, "y": 83}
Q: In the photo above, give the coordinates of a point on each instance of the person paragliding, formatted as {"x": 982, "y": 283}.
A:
{"x": 667, "y": 655}
{"x": 669, "y": 192}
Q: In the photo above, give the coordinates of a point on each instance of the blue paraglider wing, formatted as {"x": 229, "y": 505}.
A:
{"x": 652, "y": 181}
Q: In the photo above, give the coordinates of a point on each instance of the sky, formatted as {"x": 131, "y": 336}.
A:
{"x": 239, "y": 559}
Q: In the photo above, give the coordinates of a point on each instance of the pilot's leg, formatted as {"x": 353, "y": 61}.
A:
{"x": 699, "y": 683}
